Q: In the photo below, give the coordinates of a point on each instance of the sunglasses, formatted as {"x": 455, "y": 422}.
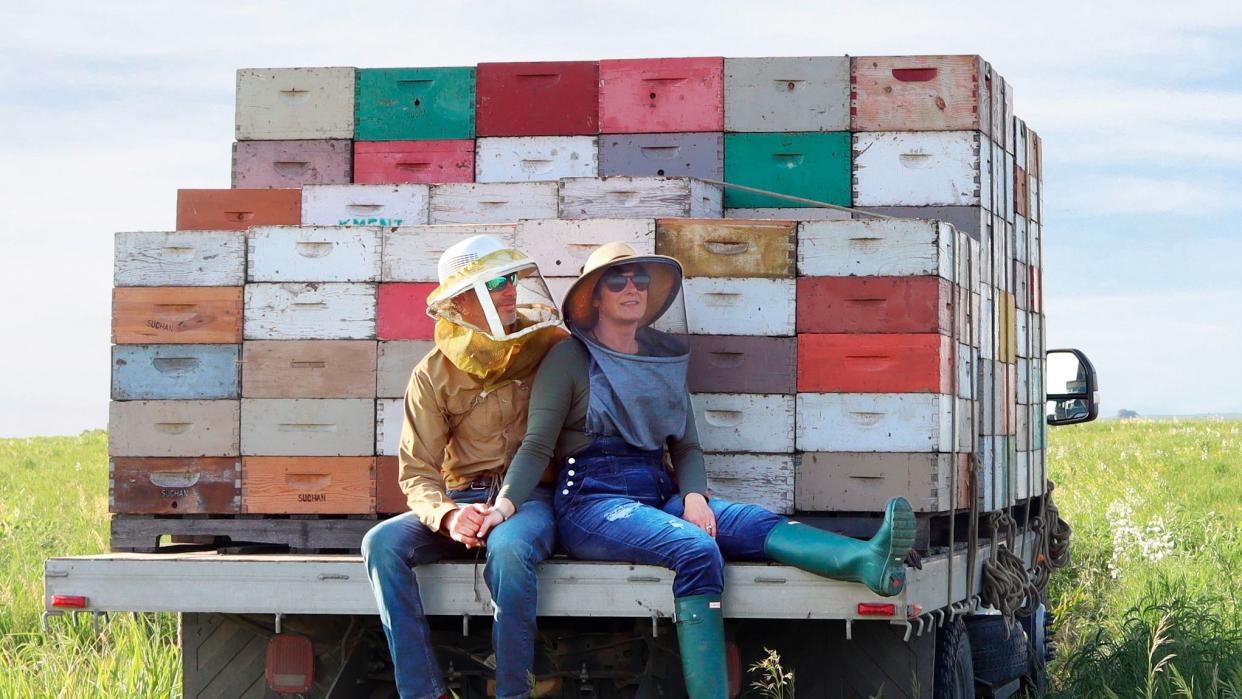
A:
{"x": 616, "y": 281}
{"x": 501, "y": 282}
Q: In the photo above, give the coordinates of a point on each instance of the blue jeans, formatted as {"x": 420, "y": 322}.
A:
{"x": 617, "y": 503}
{"x": 514, "y": 549}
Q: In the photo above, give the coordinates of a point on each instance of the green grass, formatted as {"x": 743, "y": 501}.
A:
{"x": 1156, "y": 508}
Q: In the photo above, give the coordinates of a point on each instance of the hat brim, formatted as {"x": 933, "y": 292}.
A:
{"x": 666, "y": 275}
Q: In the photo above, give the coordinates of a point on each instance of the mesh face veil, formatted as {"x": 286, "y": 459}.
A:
{"x": 493, "y": 290}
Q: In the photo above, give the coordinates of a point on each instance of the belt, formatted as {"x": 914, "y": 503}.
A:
{"x": 480, "y": 483}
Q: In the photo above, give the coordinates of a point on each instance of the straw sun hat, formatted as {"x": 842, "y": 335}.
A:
{"x": 665, "y": 282}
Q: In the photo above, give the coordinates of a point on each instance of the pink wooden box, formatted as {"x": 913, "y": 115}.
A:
{"x": 661, "y": 95}
{"x": 418, "y": 162}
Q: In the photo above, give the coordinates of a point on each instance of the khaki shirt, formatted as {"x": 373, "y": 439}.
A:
{"x": 455, "y": 432}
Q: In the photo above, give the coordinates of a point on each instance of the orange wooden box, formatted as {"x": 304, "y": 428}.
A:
{"x": 875, "y": 363}
{"x": 177, "y": 314}
{"x": 237, "y": 209}
{"x": 336, "y": 485}
{"x": 389, "y": 499}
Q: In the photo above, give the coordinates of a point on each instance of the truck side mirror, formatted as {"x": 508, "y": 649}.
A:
{"x": 1073, "y": 394}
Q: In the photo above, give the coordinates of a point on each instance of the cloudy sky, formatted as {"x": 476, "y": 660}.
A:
{"x": 108, "y": 108}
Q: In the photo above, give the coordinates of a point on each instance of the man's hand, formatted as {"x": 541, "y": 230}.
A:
{"x": 462, "y": 525}
{"x": 699, "y": 514}
{"x": 501, "y": 511}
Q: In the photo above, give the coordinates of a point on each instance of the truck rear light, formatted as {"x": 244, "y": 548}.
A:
{"x": 290, "y": 667}
{"x": 876, "y": 609}
{"x": 733, "y": 663}
{"x": 69, "y": 601}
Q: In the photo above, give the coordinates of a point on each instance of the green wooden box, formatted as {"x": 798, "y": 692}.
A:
{"x": 413, "y": 104}
{"x": 809, "y": 165}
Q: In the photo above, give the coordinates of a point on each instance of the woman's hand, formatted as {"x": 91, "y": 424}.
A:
{"x": 496, "y": 515}
{"x": 699, "y": 514}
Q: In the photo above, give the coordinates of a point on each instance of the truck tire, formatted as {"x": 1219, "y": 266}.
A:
{"x": 954, "y": 673}
{"x": 997, "y": 659}
{"x": 1036, "y": 628}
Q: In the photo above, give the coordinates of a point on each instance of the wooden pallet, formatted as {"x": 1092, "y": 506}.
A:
{"x": 296, "y": 533}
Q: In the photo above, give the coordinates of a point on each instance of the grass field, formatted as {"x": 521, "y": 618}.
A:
{"x": 1156, "y": 508}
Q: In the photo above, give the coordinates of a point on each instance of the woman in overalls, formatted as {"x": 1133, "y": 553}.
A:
{"x": 606, "y": 405}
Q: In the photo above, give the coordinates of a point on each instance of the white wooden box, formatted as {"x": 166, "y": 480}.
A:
{"x": 1010, "y": 204}
{"x": 559, "y": 286}
{"x": 494, "y": 202}
{"x": 397, "y": 359}
{"x": 739, "y": 305}
{"x": 389, "y": 416}
{"x": 1024, "y": 380}
{"x": 917, "y": 168}
{"x": 1000, "y": 202}
{"x": 561, "y": 247}
{"x": 295, "y": 103}
{"x": 639, "y": 197}
{"x": 808, "y": 213}
{"x": 535, "y": 158}
{"x": 1024, "y": 427}
{"x": 1037, "y": 236}
{"x": 173, "y": 428}
{"x": 1026, "y": 348}
{"x": 766, "y": 480}
{"x": 411, "y": 253}
{"x": 313, "y": 254}
{"x": 1032, "y": 189}
{"x": 307, "y": 427}
{"x": 995, "y": 475}
{"x": 310, "y": 311}
{"x": 787, "y": 94}
{"x": 179, "y": 258}
{"x": 967, "y": 370}
{"x": 889, "y": 422}
{"x": 1020, "y": 242}
{"x": 1019, "y": 136}
{"x": 365, "y": 204}
{"x": 892, "y": 247}
{"x": 751, "y": 422}
{"x": 1023, "y": 478}
{"x": 987, "y": 323}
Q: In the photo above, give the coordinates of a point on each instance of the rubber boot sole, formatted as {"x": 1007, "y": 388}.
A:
{"x": 902, "y": 529}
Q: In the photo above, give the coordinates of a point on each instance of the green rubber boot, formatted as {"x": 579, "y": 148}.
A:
{"x": 700, "y": 634}
{"x": 878, "y": 563}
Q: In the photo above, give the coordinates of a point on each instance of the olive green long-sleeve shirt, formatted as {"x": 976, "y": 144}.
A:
{"x": 556, "y": 426}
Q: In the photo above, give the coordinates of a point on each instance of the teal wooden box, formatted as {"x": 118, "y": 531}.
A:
{"x": 809, "y": 165}
{"x": 412, "y": 104}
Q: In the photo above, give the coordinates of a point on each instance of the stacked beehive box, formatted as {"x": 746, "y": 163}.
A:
{"x": 835, "y": 363}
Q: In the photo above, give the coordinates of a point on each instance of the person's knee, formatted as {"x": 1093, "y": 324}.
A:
{"x": 511, "y": 557}
{"x": 700, "y": 553}
{"x": 380, "y": 546}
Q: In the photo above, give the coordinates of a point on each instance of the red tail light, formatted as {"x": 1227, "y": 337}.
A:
{"x": 290, "y": 667}
{"x": 69, "y": 601}
{"x": 876, "y": 609}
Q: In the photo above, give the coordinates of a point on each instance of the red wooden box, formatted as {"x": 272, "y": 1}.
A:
{"x": 416, "y": 162}
{"x": 661, "y": 95}
{"x": 875, "y": 363}
{"x": 401, "y": 312}
{"x": 874, "y": 305}
{"x": 389, "y": 500}
{"x": 207, "y": 485}
{"x": 537, "y": 99}
{"x": 237, "y": 209}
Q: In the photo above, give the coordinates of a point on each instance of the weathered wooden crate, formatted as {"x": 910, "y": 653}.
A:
{"x": 295, "y": 103}
{"x": 493, "y": 202}
{"x": 365, "y": 205}
{"x": 1021, "y": 242}
{"x": 974, "y": 220}
{"x": 307, "y": 426}
{"x": 414, "y": 162}
{"x": 402, "y": 312}
{"x": 766, "y": 480}
{"x": 741, "y": 364}
{"x": 1000, "y": 193}
{"x": 389, "y": 416}
{"x": 638, "y": 197}
{"x": 662, "y": 155}
{"x": 558, "y": 98}
{"x": 1021, "y": 198}
{"x": 560, "y": 247}
{"x": 406, "y": 104}
{"x": 296, "y": 533}
{"x": 411, "y": 253}
{"x": 787, "y": 94}
{"x": 309, "y": 369}
{"x": 882, "y": 422}
{"x": 1011, "y": 208}
{"x": 175, "y": 372}
{"x": 1033, "y": 198}
{"x": 310, "y": 311}
{"x": 535, "y": 158}
{"x": 283, "y": 164}
{"x": 912, "y": 168}
{"x": 1023, "y": 417}
{"x": 237, "y": 209}
{"x": 720, "y": 248}
{"x": 740, "y": 306}
{"x": 996, "y": 474}
{"x": 876, "y": 363}
{"x": 1006, "y": 327}
{"x": 397, "y": 359}
{"x": 807, "y": 213}
{"x": 813, "y": 165}
{"x": 173, "y": 428}
{"x": 886, "y": 248}
{"x": 313, "y": 254}
{"x": 389, "y": 500}
{"x": 864, "y": 482}
{"x": 179, "y": 258}
{"x": 875, "y": 305}
{"x": 559, "y": 286}
{"x": 176, "y": 314}
{"x": 308, "y": 485}
{"x": 661, "y": 95}
{"x": 919, "y": 93}
{"x": 1020, "y": 143}
{"x": 205, "y": 485}
{"x": 1021, "y": 286}
{"x": 744, "y": 422}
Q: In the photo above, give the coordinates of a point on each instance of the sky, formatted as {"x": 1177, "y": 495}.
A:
{"x": 109, "y": 108}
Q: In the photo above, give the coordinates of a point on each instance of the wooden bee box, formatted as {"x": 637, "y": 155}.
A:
{"x": 295, "y": 103}
{"x": 365, "y": 205}
{"x": 172, "y": 372}
{"x": 173, "y": 428}
{"x": 237, "y": 209}
{"x": 308, "y": 485}
{"x": 875, "y": 305}
{"x": 172, "y": 314}
{"x": 766, "y": 480}
{"x": 735, "y": 422}
{"x": 720, "y": 248}
{"x": 313, "y": 254}
{"x": 561, "y": 247}
{"x": 919, "y": 93}
{"x": 638, "y": 197}
{"x": 309, "y": 369}
{"x": 180, "y": 258}
{"x": 188, "y": 486}
{"x": 535, "y": 158}
{"x": 389, "y": 500}
{"x": 310, "y": 311}
{"x": 277, "y": 164}
{"x": 661, "y": 95}
{"x": 864, "y": 482}
{"x": 741, "y": 364}
{"x": 308, "y": 427}
{"x": 397, "y": 359}
{"x": 493, "y": 202}
{"x": 411, "y": 253}
{"x": 740, "y": 306}
{"x": 875, "y": 363}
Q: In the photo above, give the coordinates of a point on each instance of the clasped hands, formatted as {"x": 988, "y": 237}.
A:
{"x": 470, "y": 524}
